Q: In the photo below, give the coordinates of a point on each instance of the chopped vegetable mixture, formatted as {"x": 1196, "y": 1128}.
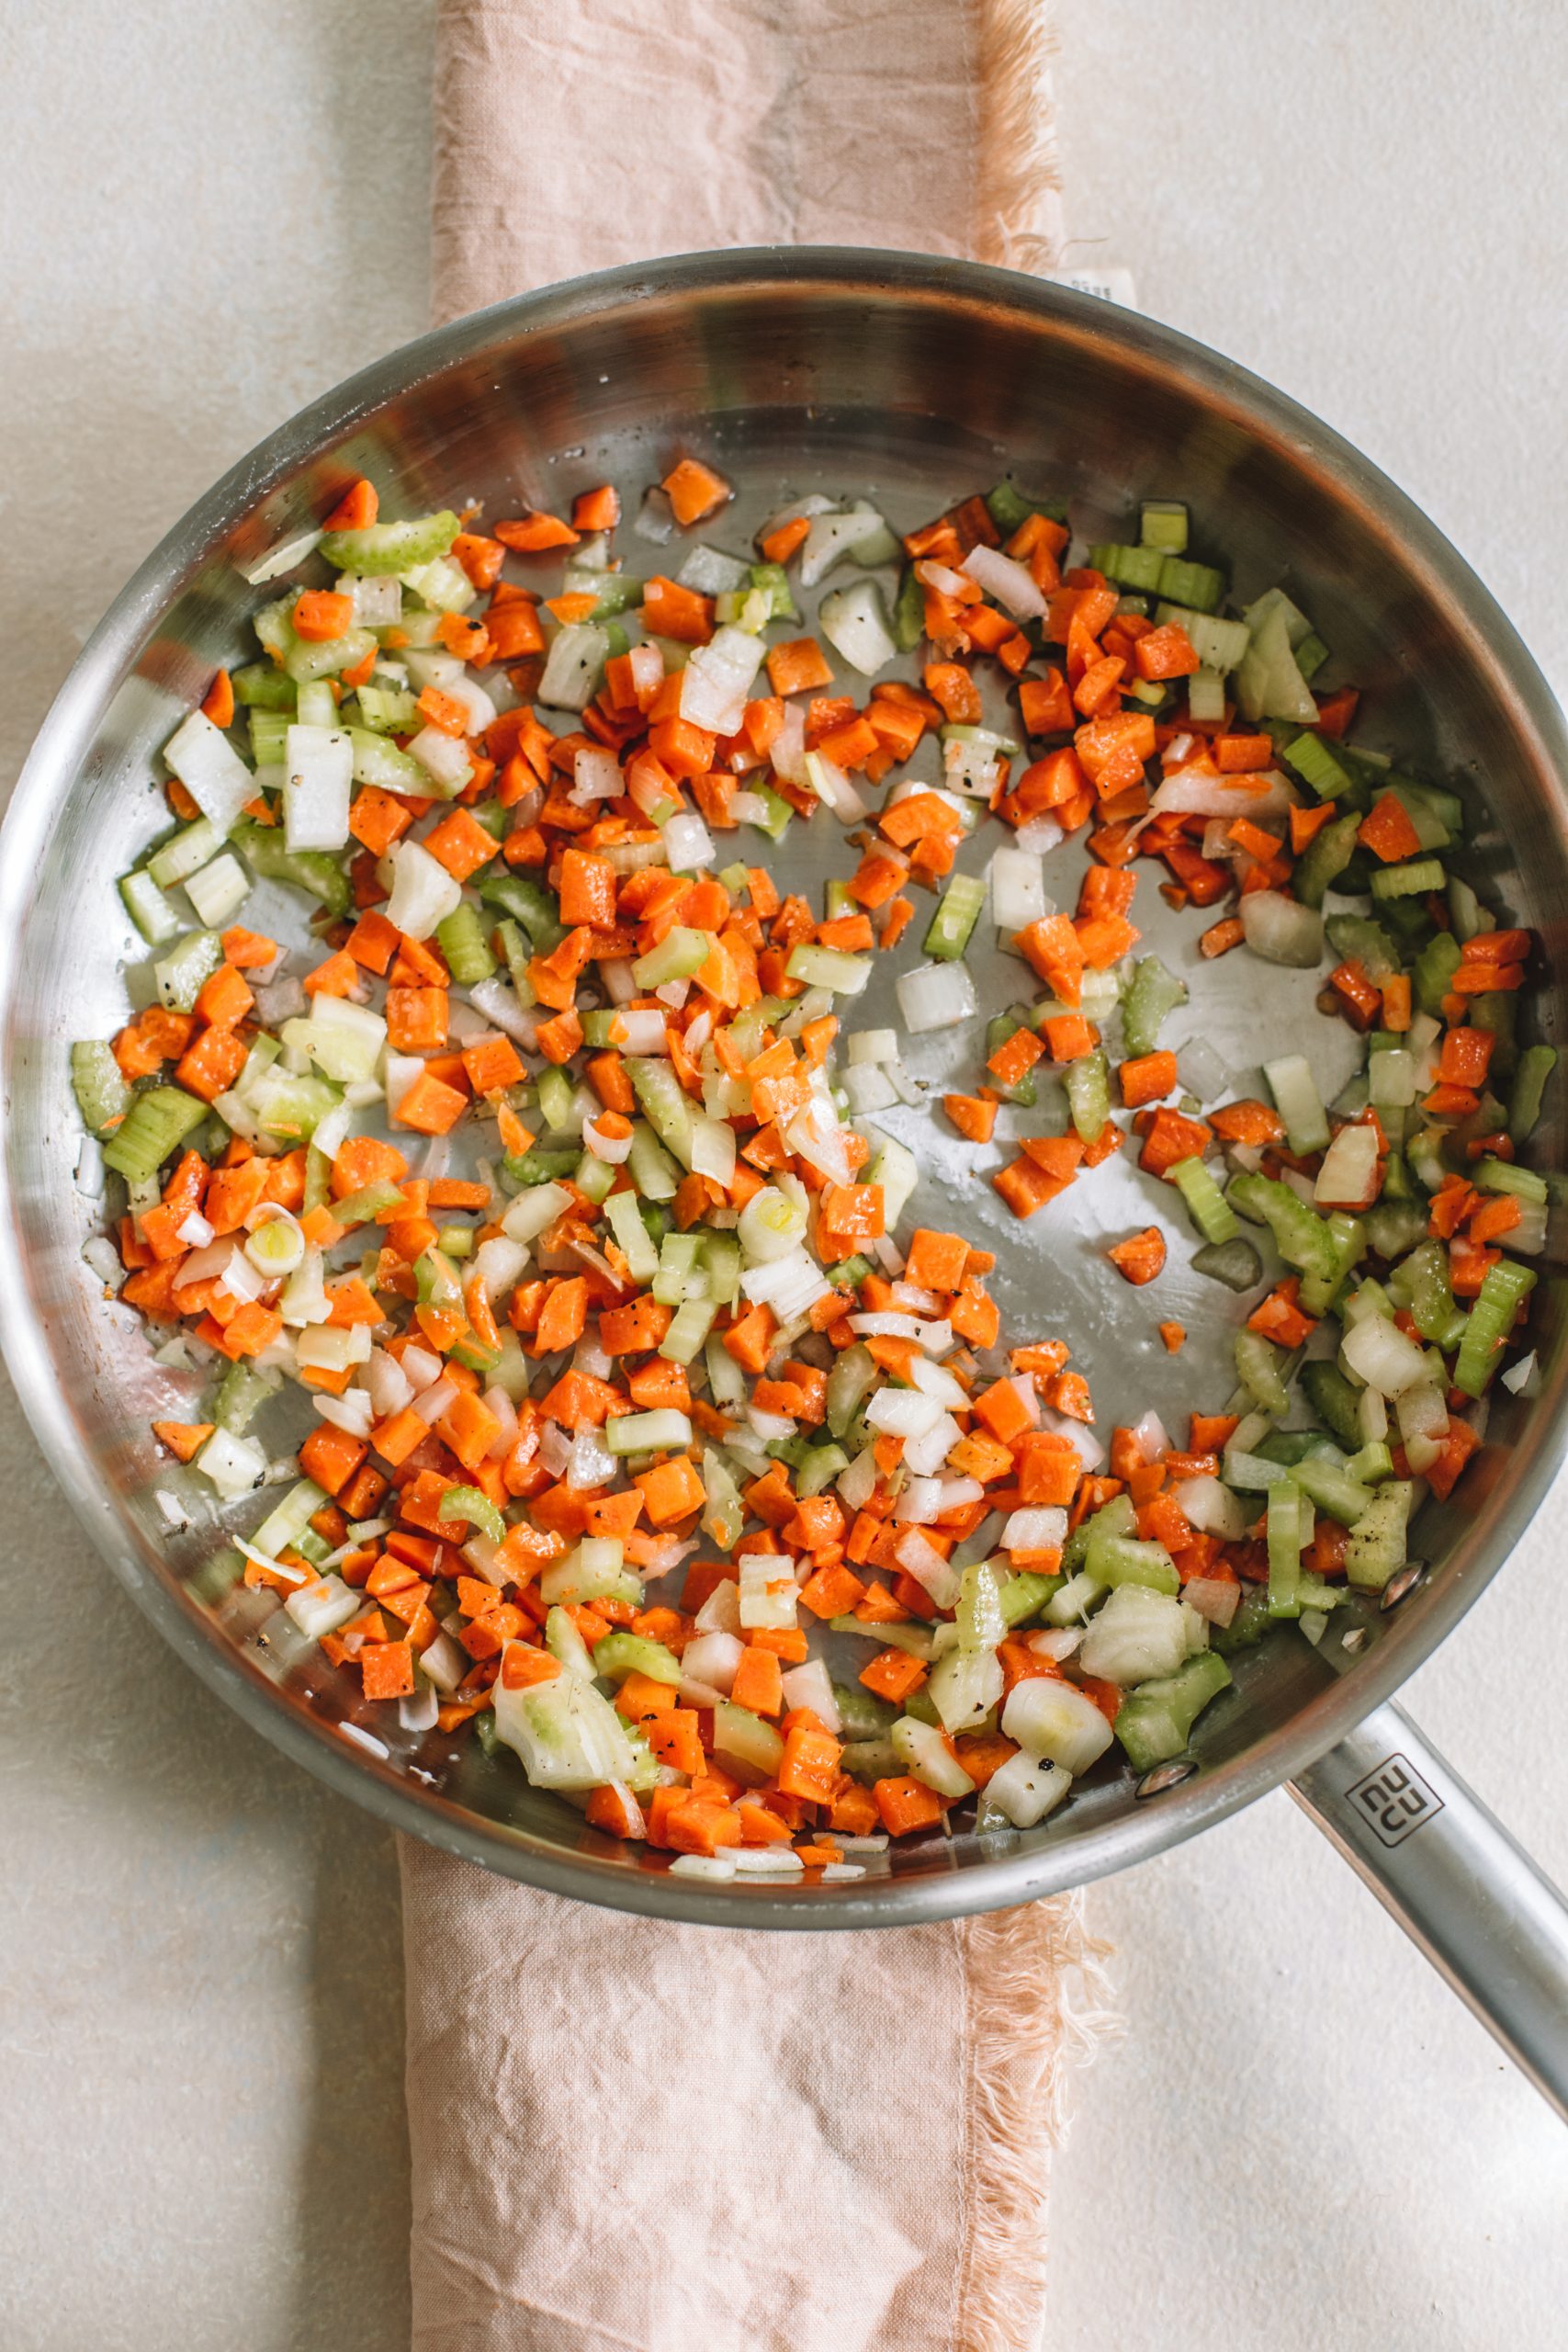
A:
{"x": 644, "y": 1439}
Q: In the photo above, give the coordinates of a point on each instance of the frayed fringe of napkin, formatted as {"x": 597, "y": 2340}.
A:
{"x": 1018, "y": 216}
{"x": 1040, "y": 2005}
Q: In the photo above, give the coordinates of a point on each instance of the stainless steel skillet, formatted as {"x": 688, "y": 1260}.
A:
{"x": 918, "y": 382}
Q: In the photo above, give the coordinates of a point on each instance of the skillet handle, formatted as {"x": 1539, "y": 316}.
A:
{"x": 1459, "y": 1885}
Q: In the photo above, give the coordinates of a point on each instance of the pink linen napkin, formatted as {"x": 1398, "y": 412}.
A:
{"x": 629, "y": 2137}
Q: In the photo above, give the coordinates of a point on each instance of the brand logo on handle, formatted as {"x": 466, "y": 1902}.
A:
{"x": 1395, "y": 1799}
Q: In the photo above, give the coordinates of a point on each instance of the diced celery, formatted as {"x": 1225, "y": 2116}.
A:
{"x": 653, "y": 1171}
{"x": 261, "y": 685}
{"x": 680, "y": 954}
{"x": 313, "y": 871}
{"x": 909, "y": 613}
{"x": 391, "y": 547}
{"x": 1206, "y": 1205}
{"x": 1299, "y": 1103}
{"x": 819, "y": 1465}
{"x": 1377, "y": 1541}
{"x": 957, "y": 913}
{"x": 620, "y": 1654}
{"x": 1422, "y": 1283}
{"x": 461, "y": 939}
{"x": 745, "y": 1742}
{"x": 1318, "y": 764}
{"x": 828, "y": 967}
{"x": 96, "y": 1081}
{"x": 666, "y": 1105}
{"x": 1162, "y": 523}
{"x": 776, "y": 812}
{"x": 1219, "y": 645}
{"x": 1087, "y": 1085}
{"x": 1154, "y": 1722}
{"x": 724, "y": 1513}
{"x": 529, "y": 903}
{"x": 378, "y": 760}
{"x": 1257, "y": 1367}
{"x": 472, "y": 1507}
{"x": 1009, "y": 509}
{"x": 388, "y": 710}
{"x": 1433, "y": 972}
{"x": 1144, "y": 567}
{"x": 1333, "y": 1398}
{"x": 149, "y": 910}
{"x": 624, "y": 1220}
{"x": 593, "y": 1177}
{"x": 1536, "y": 1065}
{"x": 1412, "y": 880}
{"x": 1334, "y": 1490}
{"x": 155, "y": 1124}
{"x": 218, "y": 890}
{"x": 180, "y": 975}
{"x": 541, "y": 1167}
{"x": 1025, "y": 1595}
{"x": 694, "y": 1320}
{"x": 189, "y": 849}
{"x": 895, "y": 1169}
{"x": 660, "y": 1431}
{"x": 1153, "y": 994}
{"x": 1198, "y": 586}
{"x": 1283, "y": 1530}
{"x": 1504, "y": 1289}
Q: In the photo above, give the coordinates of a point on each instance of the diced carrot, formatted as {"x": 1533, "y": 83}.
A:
{"x": 1141, "y": 1256}
{"x": 533, "y": 533}
{"x": 185, "y": 1439}
{"x": 1147, "y": 1078}
{"x": 1387, "y": 830}
{"x": 357, "y": 508}
{"x": 321, "y": 615}
{"x": 693, "y": 490}
{"x": 893, "y": 1675}
{"x": 906, "y": 1806}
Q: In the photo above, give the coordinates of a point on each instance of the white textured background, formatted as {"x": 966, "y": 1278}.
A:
{"x": 212, "y": 213}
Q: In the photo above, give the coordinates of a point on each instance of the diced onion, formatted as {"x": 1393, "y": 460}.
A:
{"x": 1281, "y": 930}
{"x": 936, "y": 996}
{"x": 1200, "y": 791}
{"x": 688, "y": 844}
{"x": 423, "y": 893}
{"x": 1001, "y": 577}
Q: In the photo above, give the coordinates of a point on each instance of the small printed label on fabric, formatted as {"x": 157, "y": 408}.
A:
{"x": 1112, "y": 284}
{"x": 1395, "y": 1799}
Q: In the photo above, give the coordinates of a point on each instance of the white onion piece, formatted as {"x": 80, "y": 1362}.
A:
{"x": 1036, "y": 1528}
{"x": 611, "y": 1149}
{"x": 1200, "y": 791}
{"x": 351, "y": 1412}
{"x": 1008, "y": 581}
{"x": 444, "y": 758}
{"x": 319, "y": 773}
{"x": 595, "y": 775}
{"x": 920, "y": 1559}
{"x": 1281, "y": 930}
{"x": 1217, "y": 1598}
{"x": 688, "y": 844}
{"x": 422, "y": 893}
{"x": 936, "y": 996}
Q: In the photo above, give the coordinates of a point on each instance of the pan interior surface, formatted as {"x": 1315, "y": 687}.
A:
{"x": 912, "y": 383}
